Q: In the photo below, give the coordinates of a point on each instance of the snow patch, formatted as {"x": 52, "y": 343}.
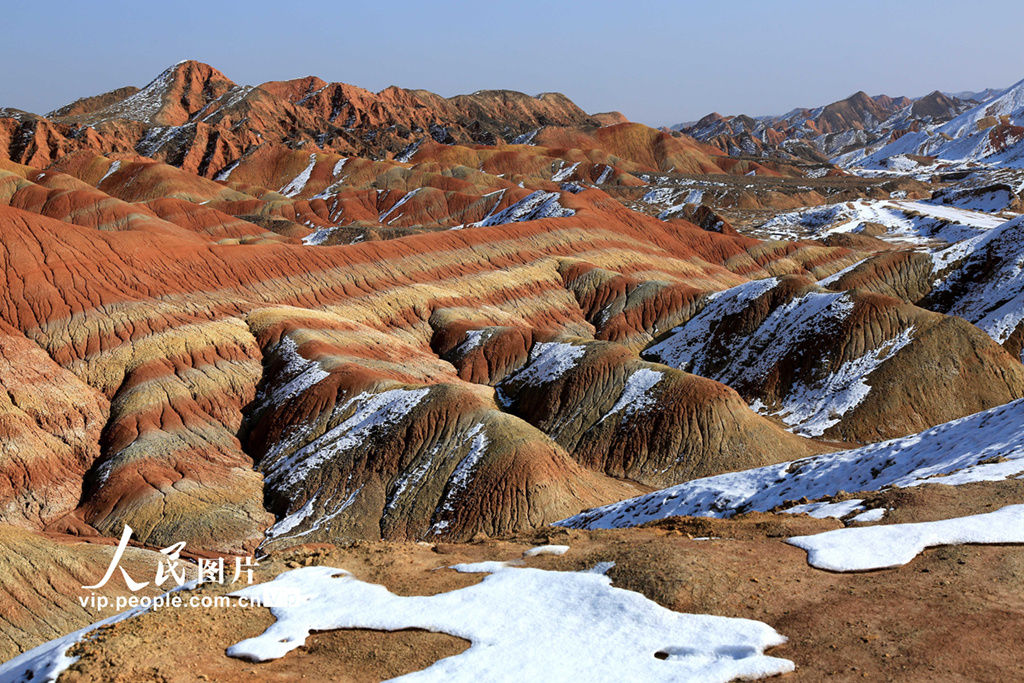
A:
{"x": 549, "y": 361}
{"x": 298, "y": 183}
{"x": 373, "y": 413}
{"x": 636, "y": 393}
{"x": 810, "y": 410}
{"x": 524, "y": 624}
{"x": 110, "y": 171}
{"x": 546, "y": 550}
{"x": 533, "y": 207}
{"x": 857, "y": 549}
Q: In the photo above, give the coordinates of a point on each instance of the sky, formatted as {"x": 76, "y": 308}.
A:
{"x": 658, "y": 62}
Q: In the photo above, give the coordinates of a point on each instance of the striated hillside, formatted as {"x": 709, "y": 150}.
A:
{"x": 194, "y": 117}
{"x": 253, "y": 318}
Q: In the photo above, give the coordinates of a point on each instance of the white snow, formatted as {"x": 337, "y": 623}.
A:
{"x": 338, "y": 166}
{"x": 546, "y": 550}
{"x": 459, "y": 480}
{"x": 824, "y": 510}
{"x": 297, "y": 375}
{"x": 565, "y": 172}
{"x": 685, "y": 347}
{"x": 986, "y": 446}
{"x": 743, "y": 357}
{"x": 526, "y": 138}
{"x": 373, "y": 412}
{"x": 906, "y": 222}
{"x": 810, "y": 410}
{"x": 993, "y": 301}
{"x": 961, "y": 142}
{"x": 474, "y": 338}
{"x": 226, "y": 173}
{"x": 533, "y": 207}
{"x": 146, "y": 103}
{"x": 319, "y": 236}
{"x": 856, "y": 549}
{"x": 636, "y": 393}
{"x": 549, "y": 361}
{"x": 297, "y": 518}
{"x": 751, "y": 356}
{"x": 409, "y": 152}
{"x": 524, "y": 624}
{"x": 46, "y": 662}
{"x": 406, "y": 197}
{"x": 873, "y": 515}
{"x": 291, "y": 521}
{"x": 110, "y": 171}
{"x": 485, "y": 567}
{"x": 298, "y": 183}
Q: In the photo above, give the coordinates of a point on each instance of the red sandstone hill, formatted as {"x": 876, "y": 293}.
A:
{"x": 194, "y": 117}
{"x": 259, "y": 316}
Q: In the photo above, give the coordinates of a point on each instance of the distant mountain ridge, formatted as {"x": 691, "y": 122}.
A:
{"x": 866, "y": 130}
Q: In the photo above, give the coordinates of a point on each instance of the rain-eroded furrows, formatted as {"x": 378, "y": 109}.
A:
{"x": 905, "y": 275}
{"x": 625, "y": 309}
{"x": 50, "y": 424}
{"x": 854, "y": 365}
{"x": 348, "y": 452}
{"x": 647, "y": 422}
{"x": 151, "y": 321}
{"x": 171, "y": 465}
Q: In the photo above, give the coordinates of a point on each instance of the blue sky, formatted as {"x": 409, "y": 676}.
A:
{"x": 657, "y": 62}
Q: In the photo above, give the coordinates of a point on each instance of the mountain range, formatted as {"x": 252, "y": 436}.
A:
{"x": 304, "y": 321}
{"x": 880, "y": 131}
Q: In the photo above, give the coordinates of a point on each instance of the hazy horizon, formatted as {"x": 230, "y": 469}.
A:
{"x": 659, "y": 63}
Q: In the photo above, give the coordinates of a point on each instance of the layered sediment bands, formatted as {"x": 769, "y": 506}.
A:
{"x": 905, "y": 275}
{"x": 180, "y": 315}
{"x": 69, "y": 199}
{"x": 625, "y": 309}
{"x": 43, "y": 575}
{"x": 172, "y": 466}
{"x": 648, "y": 148}
{"x": 481, "y": 353}
{"x": 194, "y": 117}
{"x": 50, "y": 424}
{"x": 854, "y": 366}
{"x": 647, "y": 422}
{"x": 348, "y": 452}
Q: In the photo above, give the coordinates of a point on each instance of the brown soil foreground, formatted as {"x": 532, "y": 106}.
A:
{"x": 954, "y": 613}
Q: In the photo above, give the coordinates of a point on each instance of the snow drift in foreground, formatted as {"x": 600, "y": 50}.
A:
{"x": 986, "y": 446}
{"x": 524, "y": 624}
{"x": 877, "y": 547}
{"x": 46, "y": 662}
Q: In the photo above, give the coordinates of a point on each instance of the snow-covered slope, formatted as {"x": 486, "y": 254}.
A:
{"x": 986, "y": 286}
{"x": 533, "y": 207}
{"x": 829, "y": 363}
{"x": 987, "y": 446}
{"x": 991, "y": 132}
{"x": 905, "y": 222}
